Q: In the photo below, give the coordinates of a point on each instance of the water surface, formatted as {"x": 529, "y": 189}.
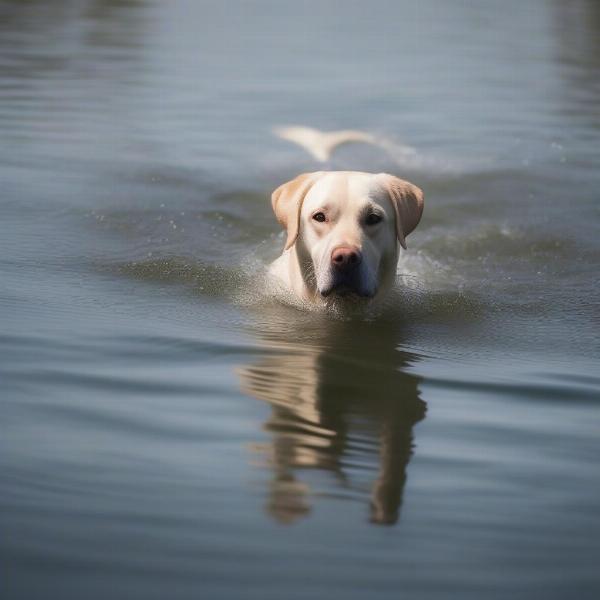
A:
{"x": 169, "y": 431}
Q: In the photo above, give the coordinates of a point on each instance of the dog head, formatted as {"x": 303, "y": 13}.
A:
{"x": 346, "y": 227}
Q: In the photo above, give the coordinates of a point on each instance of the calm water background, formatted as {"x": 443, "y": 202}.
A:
{"x": 170, "y": 432}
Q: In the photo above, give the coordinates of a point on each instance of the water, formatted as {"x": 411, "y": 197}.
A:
{"x": 170, "y": 431}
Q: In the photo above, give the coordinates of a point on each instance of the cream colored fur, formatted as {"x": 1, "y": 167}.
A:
{"x": 347, "y": 200}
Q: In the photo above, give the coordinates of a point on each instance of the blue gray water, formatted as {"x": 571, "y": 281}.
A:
{"x": 170, "y": 431}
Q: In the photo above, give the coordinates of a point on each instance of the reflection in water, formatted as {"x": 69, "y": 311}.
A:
{"x": 335, "y": 389}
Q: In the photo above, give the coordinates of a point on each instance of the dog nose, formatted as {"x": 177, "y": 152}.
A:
{"x": 345, "y": 257}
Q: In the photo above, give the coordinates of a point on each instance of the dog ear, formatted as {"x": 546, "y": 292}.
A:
{"x": 407, "y": 200}
{"x": 287, "y": 202}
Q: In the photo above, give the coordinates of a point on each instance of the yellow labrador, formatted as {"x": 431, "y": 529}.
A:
{"x": 344, "y": 229}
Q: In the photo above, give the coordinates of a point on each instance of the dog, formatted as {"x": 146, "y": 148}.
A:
{"x": 344, "y": 230}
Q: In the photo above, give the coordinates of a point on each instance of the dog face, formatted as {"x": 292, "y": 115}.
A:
{"x": 345, "y": 228}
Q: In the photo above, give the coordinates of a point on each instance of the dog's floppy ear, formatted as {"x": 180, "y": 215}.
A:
{"x": 287, "y": 203}
{"x": 407, "y": 200}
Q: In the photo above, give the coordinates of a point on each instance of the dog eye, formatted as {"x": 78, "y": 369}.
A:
{"x": 373, "y": 219}
{"x": 319, "y": 217}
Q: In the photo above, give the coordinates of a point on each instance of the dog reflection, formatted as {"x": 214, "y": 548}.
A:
{"x": 338, "y": 390}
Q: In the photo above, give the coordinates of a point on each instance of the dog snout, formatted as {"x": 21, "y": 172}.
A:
{"x": 345, "y": 258}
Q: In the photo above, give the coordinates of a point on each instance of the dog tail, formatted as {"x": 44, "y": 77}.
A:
{"x": 321, "y": 144}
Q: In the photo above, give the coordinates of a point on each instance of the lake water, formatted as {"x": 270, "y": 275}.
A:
{"x": 170, "y": 431}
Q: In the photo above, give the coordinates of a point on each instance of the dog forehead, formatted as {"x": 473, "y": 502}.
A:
{"x": 351, "y": 190}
